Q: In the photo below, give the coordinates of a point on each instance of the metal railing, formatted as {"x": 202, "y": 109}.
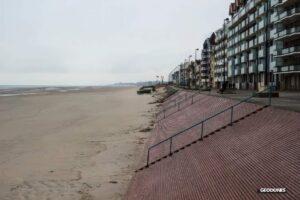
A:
{"x": 202, "y": 122}
{"x": 177, "y": 104}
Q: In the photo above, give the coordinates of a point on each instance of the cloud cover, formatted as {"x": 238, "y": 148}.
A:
{"x": 92, "y": 42}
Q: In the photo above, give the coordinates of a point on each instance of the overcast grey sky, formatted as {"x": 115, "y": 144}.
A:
{"x": 91, "y": 42}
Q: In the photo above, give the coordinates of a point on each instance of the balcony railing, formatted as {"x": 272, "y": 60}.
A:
{"x": 288, "y": 14}
{"x": 289, "y": 51}
{"x": 261, "y": 53}
{"x": 252, "y": 69}
{"x": 286, "y": 33}
{"x": 261, "y": 67}
{"x": 237, "y": 71}
{"x": 244, "y": 70}
{"x": 274, "y": 2}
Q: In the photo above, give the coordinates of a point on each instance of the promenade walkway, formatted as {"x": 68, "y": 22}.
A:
{"x": 258, "y": 151}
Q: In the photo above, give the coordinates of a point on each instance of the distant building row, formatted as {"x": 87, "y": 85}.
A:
{"x": 258, "y": 46}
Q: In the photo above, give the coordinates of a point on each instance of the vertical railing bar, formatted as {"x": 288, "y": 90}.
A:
{"x": 202, "y": 130}
{"x": 231, "y": 120}
{"x": 148, "y": 157}
{"x": 270, "y": 95}
{"x": 171, "y": 141}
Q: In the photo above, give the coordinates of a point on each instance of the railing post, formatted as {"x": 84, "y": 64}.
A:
{"x": 202, "y": 124}
{"x": 231, "y": 118}
{"x": 270, "y": 94}
{"x": 171, "y": 140}
{"x": 148, "y": 158}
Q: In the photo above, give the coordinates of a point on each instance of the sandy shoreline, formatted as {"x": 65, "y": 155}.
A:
{"x": 75, "y": 145}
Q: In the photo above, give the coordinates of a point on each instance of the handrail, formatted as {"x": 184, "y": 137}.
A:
{"x": 269, "y": 89}
{"x": 177, "y": 104}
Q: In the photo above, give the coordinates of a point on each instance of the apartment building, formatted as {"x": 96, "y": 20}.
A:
{"x": 184, "y": 74}
{"x": 220, "y": 55}
{"x": 286, "y": 34}
{"x": 197, "y": 73}
{"x": 174, "y": 76}
{"x": 258, "y": 47}
{"x": 191, "y": 75}
{"x": 205, "y": 64}
{"x": 250, "y": 47}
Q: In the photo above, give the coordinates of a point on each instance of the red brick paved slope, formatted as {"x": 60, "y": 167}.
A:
{"x": 261, "y": 150}
{"x": 190, "y": 114}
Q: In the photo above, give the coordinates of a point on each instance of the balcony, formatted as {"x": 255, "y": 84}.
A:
{"x": 261, "y": 39}
{"x": 261, "y": 10}
{"x": 288, "y": 52}
{"x": 261, "y": 53}
{"x": 237, "y": 61}
{"x": 252, "y": 68}
{"x": 244, "y": 59}
{"x": 285, "y": 3}
{"x": 273, "y": 49}
{"x": 274, "y": 2}
{"x": 261, "y": 67}
{"x": 273, "y": 33}
{"x": 244, "y": 46}
{"x": 289, "y": 16}
{"x": 252, "y": 30}
{"x": 262, "y": 24}
{"x": 290, "y": 68}
{"x": 230, "y": 71}
{"x": 286, "y": 34}
{"x": 244, "y": 70}
{"x": 251, "y": 18}
{"x": 237, "y": 71}
{"x": 274, "y": 17}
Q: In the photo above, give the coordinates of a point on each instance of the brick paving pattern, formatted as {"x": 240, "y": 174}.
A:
{"x": 261, "y": 150}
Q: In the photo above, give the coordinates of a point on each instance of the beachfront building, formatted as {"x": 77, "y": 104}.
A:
{"x": 193, "y": 75}
{"x": 286, "y": 33}
{"x": 197, "y": 73}
{"x": 220, "y": 55}
{"x": 258, "y": 47}
{"x": 205, "y": 65}
{"x": 250, "y": 47}
{"x": 174, "y": 76}
{"x": 184, "y": 74}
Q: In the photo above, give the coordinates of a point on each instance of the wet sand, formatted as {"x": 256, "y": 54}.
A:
{"x": 76, "y": 145}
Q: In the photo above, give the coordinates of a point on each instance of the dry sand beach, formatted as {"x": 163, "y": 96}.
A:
{"x": 76, "y": 145}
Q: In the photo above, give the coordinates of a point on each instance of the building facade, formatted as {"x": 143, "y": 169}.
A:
{"x": 258, "y": 47}
{"x": 286, "y": 34}
{"x": 220, "y": 54}
{"x": 250, "y": 49}
{"x": 205, "y": 65}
